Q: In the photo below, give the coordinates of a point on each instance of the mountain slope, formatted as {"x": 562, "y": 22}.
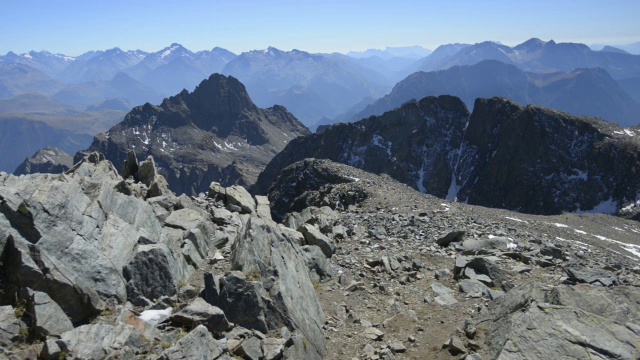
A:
{"x": 19, "y": 79}
{"x": 587, "y": 92}
{"x": 120, "y": 86}
{"x": 215, "y": 133}
{"x": 503, "y": 155}
{"x": 21, "y": 138}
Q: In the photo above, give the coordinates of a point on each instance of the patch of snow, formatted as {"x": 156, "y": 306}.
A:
{"x": 578, "y": 243}
{"x": 27, "y": 56}
{"x": 634, "y": 249}
{"x": 353, "y": 178}
{"x": 632, "y": 205}
{"x": 559, "y": 225}
{"x": 154, "y": 317}
{"x": 580, "y": 232}
{"x": 606, "y": 207}
{"x": 379, "y": 141}
{"x": 512, "y": 246}
{"x": 628, "y": 132}
{"x": 515, "y": 219}
{"x": 230, "y": 146}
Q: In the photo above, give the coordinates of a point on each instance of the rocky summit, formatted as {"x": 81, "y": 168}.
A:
{"x": 502, "y": 155}
{"x": 98, "y": 265}
{"x": 215, "y": 133}
{"x": 48, "y": 160}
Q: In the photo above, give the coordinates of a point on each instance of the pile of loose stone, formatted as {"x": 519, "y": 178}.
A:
{"x": 415, "y": 277}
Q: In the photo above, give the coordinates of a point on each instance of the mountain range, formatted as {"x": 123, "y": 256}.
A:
{"x": 588, "y": 92}
{"x": 328, "y": 88}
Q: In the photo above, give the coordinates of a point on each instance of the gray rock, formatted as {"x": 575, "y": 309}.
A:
{"x": 525, "y": 326}
{"x": 470, "y": 286}
{"x": 317, "y": 263}
{"x": 443, "y": 295}
{"x": 130, "y": 166}
{"x": 262, "y": 248}
{"x": 10, "y": 326}
{"x": 243, "y": 301}
{"x": 197, "y": 344}
{"x": 152, "y": 273}
{"x": 250, "y": 349}
{"x": 26, "y": 267}
{"x": 454, "y": 236}
{"x": 273, "y": 348}
{"x": 485, "y": 266}
{"x": 456, "y": 346}
{"x": 239, "y": 196}
{"x": 98, "y": 341}
{"x": 486, "y": 245}
{"x": 372, "y": 333}
{"x": 313, "y": 236}
{"x": 263, "y": 208}
{"x": 199, "y": 312}
{"x": 47, "y": 318}
{"x": 397, "y": 347}
{"x": 72, "y": 234}
{"x": 582, "y": 274}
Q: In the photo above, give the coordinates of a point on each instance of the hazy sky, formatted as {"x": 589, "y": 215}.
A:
{"x": 75, "y": 26}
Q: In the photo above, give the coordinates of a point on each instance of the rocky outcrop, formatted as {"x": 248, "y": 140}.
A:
{"x": 568, "y": 322}
{"x": 46, "y": 160}
{"x": 503, "y": 155}
{"x": 291, "y": 301}
{"x": 81, "y": 248}
{"x": 57, "y": 229}
{"x": 215, "y": 133}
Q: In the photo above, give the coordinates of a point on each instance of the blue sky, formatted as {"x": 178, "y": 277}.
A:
{"x": 75, "y": 26}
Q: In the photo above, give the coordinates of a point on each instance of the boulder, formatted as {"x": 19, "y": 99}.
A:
{"x": 250, "y": 349}
{"x": 26, "y": 267}
{"x": 263, "y": 249}
{"x": 472, "y": 286}
{"x": 98, "y": 341}
{"x": 523, "y": 325}
{"x": 443, "y": 295}
{"x": 47, "y": 318}
{"x": 313, "y": 236}
{"x": 263, "y": 208}
{"x": 199, "y": 312}
{"x": 153, "y": 272}
{"x": 197, "y": 344}
{"x": 581, "y": 274}
{"x": 318, "y": 264}
{"x": 242, "y": 300}
{"x": 239, "y": 196}
{"x": 10, "y": 326}
{"x": 454, "y": 236}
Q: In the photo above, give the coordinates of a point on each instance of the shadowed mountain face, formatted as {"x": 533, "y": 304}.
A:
{"x": 215, "y": 133}
{"x": 503, "y": 155}
{"x": 587, "y": 92}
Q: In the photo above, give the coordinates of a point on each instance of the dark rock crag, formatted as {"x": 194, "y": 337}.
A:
{"x": 503, "y": 155}
{"x": 215, "y": 133}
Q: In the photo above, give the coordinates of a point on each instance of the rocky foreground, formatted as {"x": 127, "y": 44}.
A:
{"x": 97, "y": 266}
